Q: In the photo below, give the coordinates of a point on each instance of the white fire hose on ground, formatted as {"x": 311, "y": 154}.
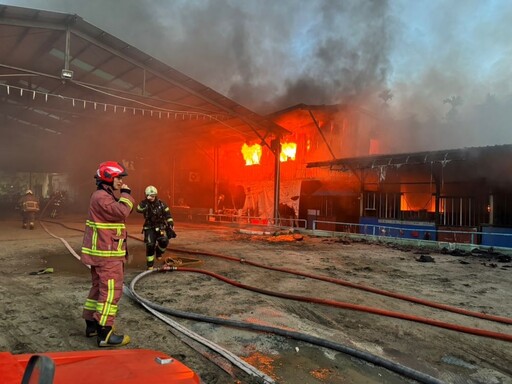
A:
{"x": 233, "y": 359}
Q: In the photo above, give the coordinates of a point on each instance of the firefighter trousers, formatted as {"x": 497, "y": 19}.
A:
{"x": 156, "y": 243}
{"x": 105, "y": 293}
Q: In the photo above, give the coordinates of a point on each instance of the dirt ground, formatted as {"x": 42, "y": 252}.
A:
{"x": 43, "y": 312}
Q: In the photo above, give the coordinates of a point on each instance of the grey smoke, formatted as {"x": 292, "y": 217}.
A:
{"x": 268, "y": 55}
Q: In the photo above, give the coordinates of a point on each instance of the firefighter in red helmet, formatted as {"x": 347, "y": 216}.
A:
{"x": 104, "y": 250}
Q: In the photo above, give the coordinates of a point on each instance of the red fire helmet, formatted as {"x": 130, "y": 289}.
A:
{"x": 110, "y": 169}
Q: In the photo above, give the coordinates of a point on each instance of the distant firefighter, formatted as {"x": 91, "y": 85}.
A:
{"x": 221, "y": 204}
{"x": 29, "y": 206}
{"x": 57, "y": 201}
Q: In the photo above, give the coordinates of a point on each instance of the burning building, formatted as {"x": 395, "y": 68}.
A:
{"x": 72, "y": 95}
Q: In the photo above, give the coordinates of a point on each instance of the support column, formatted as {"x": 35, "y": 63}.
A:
{"x": 276, "y": 150}
{"x": 491, "y": 209}
{"x": 216, "y": 178}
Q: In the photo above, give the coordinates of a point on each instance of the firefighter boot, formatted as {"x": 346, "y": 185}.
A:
{"x": 24, "y": 226}
{"x": 150, "y": 262}
{"x": 107, "y": 337}
{"x": 91, "y": 328}
{"x": 31, "y": 225}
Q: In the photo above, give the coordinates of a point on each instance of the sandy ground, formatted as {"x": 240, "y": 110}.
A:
{"x": 43, "y": 312}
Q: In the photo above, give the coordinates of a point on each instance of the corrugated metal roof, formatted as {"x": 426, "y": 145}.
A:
{"x": 397, "y": 160}
{"x": 114, "y": 85}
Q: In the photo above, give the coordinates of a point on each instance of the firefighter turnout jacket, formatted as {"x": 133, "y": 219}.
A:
{"x": 29, "y": 203}
{"x": 105, "y": 230}
{"x": 156, "y": 215}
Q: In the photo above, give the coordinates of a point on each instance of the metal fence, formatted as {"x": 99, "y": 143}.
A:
{"x": 428, "y": 234}
{"x": 425, "y": 235}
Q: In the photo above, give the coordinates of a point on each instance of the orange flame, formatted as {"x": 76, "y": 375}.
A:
{"x": 288, "y": 151}
{"x": 252, "y": 154}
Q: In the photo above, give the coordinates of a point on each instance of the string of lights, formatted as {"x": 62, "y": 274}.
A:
{"x": 144, "y": 110}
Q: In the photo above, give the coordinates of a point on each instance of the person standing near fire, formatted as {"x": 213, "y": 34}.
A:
{"x": 158, "y": 225}
{"x": 29, "y": 206}
{"x": 104, "y": 250}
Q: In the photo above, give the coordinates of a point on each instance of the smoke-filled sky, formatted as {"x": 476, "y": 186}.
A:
{"x": 442, "y": 68}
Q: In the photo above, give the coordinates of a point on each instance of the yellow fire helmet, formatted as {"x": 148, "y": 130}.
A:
{"x": 150, "y": 190}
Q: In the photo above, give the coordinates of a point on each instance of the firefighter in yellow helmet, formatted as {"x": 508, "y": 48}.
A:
{"x": 158, "y": 225}
{"x": 29, "y": 205}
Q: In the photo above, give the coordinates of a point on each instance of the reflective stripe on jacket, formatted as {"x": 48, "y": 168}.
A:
{"x": 29, "y": 203}
{"x": 105, "y": 230}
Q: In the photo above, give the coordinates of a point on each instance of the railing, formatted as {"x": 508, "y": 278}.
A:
{"x": 426, "y": 234}
{"x": 256, "y": 220}
{"x": 423, "y": 234}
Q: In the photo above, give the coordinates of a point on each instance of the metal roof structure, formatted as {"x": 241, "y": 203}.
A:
{"x": 61, "y": 76}
{"x": 399, "y": 160}
{"x": 490, "y": 163}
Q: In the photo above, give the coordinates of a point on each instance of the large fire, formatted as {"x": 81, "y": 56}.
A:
{"x": 252, "y": 154}
{"x": 288, "y": 151}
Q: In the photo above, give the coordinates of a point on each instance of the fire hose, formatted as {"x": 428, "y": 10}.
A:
{"x": 474, "y": 331}
{"x": 377, "y": 311}
{"x": 382, "y": 292}
{"x": 366, "y": 356}
{"x": 355, "y": 307}
{"x": 158, "y": 311}
{"x": 233, "y": 359}
{"x": 449, "y": 308}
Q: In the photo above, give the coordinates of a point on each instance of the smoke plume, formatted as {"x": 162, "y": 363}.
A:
{"x": 436, "y": 72}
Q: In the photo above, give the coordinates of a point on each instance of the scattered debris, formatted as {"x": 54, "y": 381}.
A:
{"x": 455, "y": 252}
{"x": 175, "y": 261}
{"x": 267, "y": 364}
{"x": 285, "y": 238}
{"x": 341, "y": 240}
{"x": 253, "y": 232}
{"x": 504, "y": 259}
{"x": 42, "y": 271}
{"x": 452, "y": 360}
{"x": 323, "y": 374}
{"x": 426, "y": 259}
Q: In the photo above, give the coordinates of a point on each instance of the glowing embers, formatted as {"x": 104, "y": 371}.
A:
{"x": 288, "y": 151}
{"x": 252, "y": 154}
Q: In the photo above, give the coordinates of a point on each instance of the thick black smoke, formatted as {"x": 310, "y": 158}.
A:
{"x": 436, "y": 72}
